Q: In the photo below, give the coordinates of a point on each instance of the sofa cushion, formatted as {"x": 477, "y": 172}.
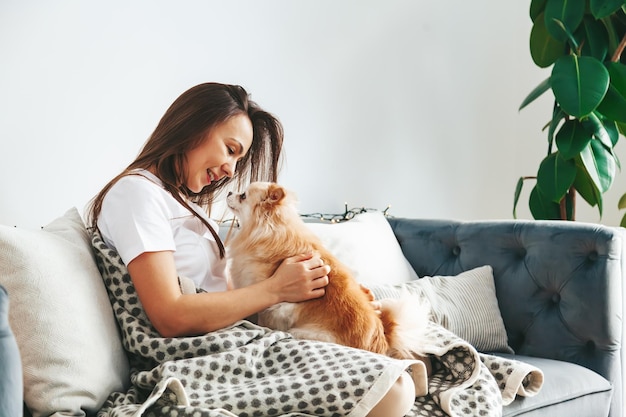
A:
{"x": 62, "y": 319}
{"x": 568, "y": 390}
{"x": 366, "y": 244}
{"x": 465, "y": 304}
{"x": 10, "y": 364}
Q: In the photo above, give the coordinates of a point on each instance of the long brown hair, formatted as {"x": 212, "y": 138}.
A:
{"x": 183, "y": 127}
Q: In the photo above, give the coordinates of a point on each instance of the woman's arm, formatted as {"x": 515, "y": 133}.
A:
{"x": 174, "y": 314}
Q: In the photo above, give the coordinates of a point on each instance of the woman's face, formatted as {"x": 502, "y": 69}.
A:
{"x": 217, "y": 155}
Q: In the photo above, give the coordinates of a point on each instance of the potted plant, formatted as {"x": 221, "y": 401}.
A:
{"x": 583, "y": 41}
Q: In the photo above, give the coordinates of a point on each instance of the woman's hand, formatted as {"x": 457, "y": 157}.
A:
{"x": 175, "y": 314}
{"x": 300, "y": 278}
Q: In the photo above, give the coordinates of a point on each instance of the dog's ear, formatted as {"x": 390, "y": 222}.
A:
{"x": 275, "y": 193}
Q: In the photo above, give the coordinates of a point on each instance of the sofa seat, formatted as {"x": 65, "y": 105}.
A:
{"x": 568, "y": 390}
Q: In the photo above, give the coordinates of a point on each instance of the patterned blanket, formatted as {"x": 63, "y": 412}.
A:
{"x": 247, "y": 370}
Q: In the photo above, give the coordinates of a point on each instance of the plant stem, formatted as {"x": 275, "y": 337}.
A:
{"x": 563, "y": 208}
{"x": 571, "y": 195}
{"x": 620, "y": 48}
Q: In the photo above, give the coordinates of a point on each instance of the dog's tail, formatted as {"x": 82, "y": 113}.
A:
{"x": 405, "y": 321}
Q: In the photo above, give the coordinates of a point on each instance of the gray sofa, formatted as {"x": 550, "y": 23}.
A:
{"x": 560, "y": 289}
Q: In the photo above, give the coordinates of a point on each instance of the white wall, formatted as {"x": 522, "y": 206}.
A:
{"x": 405, "y": 103}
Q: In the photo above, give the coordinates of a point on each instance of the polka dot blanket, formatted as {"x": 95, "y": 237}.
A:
{"x": 246, "y": 370}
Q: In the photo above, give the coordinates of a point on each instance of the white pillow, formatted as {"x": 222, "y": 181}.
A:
{"x": 465, "y": 304}
{"x": 71, "y": 350}
{"x": 367, "y": 245}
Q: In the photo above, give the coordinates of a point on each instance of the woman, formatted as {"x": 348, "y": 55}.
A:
{"x": 154, "y": 214}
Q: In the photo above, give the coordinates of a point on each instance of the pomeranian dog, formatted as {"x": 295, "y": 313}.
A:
{"x": 270, "y": 231}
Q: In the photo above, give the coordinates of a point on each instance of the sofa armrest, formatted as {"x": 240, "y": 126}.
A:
{"x": 559, "y": 284}
{"x": 11, "y": 383}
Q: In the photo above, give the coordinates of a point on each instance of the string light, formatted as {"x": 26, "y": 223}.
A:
{"x": 348, "y": 214}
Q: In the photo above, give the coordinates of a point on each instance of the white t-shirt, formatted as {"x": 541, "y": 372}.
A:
{"x": 138, "y": 215}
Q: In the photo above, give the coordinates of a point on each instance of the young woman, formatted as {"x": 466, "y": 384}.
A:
{"x": 154, "y": 215}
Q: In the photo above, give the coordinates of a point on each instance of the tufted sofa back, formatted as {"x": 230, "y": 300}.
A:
{"x": 560, "y": 285}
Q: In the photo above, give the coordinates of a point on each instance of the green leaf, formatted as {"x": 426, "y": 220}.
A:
{"x": 603, "y": 131}
{"x": 579, "y": 84}
{"x": 599, "y": 164}
{"x": 541, "y": 207}
{"x": 573, "y": 42}
{"x": 544, "y": 49}
{"x": 536, "y": 8}
{"x": 518, "y": 191}
{"x": 557, "y": 116}
{"x": 612, "y": 130}
{"x": 555, "y": 176}
{"x": 604, "y": 8}
{"x": 613, "y": 106}
{"x": 610, "y": 25}
{"x": 572, "y": 138}
{"x": 621, "y": 204}
{"x": 622, "y": 128}
{"x": 593, "y": 37}
{"x": 587, "y": 189}
{"x": 595, "y": 127}
{"x": 536, "y": 93}
{"x": 569, "y": 12}
{"x": 617, "y": 72}
{"x": 617, "y": 162}
{"x": 605, "y": 163}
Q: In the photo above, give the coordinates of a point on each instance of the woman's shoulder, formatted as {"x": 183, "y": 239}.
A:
{"x": 136, "y": 185}
{"x": 140, "y": 179}
{"x": 136, "y": 214}
{"x": 137, "y": 190}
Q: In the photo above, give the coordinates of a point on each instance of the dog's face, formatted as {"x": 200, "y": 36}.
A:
{"x": 259, "y": 201}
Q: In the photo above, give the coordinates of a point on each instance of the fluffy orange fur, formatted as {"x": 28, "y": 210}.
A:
{"x": 272, "y": 230}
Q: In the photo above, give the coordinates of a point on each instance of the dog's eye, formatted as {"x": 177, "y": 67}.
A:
{"x": 242, "y": 196}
